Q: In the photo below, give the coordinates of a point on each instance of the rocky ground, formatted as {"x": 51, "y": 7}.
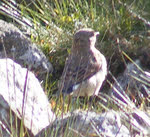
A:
{"x": 24, "y": 104}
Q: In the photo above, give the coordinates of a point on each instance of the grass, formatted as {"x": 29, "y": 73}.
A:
{"x": 122, "y": 33}
{"x": 55, "y": 23}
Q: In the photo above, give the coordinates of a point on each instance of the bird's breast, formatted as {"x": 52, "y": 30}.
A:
{"x": 90, "y": 86}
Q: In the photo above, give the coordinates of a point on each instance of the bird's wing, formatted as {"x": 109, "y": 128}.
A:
{"x": 78, "y": 70}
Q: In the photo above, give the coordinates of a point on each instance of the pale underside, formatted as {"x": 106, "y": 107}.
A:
{"x": 91, "y": 86}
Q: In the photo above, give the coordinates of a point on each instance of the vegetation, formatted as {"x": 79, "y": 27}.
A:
{"x": 124, "y": 36}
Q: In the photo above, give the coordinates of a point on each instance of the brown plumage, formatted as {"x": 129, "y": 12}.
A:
{"x": 85, "y": 68}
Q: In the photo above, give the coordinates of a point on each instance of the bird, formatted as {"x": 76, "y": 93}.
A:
{"x": 85, "y": 68}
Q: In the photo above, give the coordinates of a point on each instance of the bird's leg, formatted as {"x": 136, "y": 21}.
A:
{"x": 69, "y": 102}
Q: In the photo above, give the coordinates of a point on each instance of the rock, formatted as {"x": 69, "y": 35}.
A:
{"x": 21, "y": 92}
{"x": 89, "y": 124}
{"x": 130, "y": 91}
{"x": 140, "y": 122}
{"x": 14, "y": 45}
{"x": 132, "y": 84}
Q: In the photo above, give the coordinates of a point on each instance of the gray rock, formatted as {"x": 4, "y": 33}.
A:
{"x": 132, "y": 89}
{"x": 86, "y": 123}
{"x": 14, "y": 45}
{"x": 21, "y": 92}
{"x": 132, "y": 84}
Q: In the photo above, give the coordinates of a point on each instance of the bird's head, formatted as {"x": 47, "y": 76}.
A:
{"x": 85, "y": 38}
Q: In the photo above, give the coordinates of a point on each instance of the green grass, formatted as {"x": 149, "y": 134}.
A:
{"x": 56, "y": 22}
